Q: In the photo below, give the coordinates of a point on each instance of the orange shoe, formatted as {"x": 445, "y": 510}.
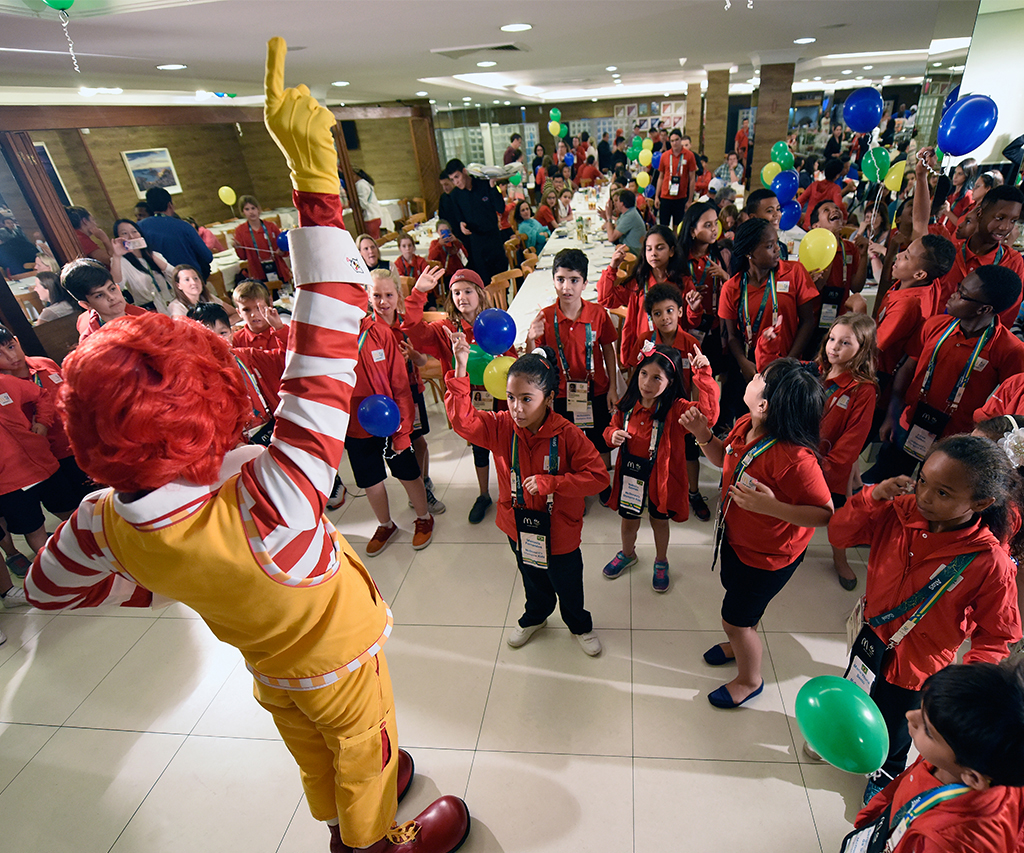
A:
{"x": 423, "y": 534}
{"x": 381, "y": 539}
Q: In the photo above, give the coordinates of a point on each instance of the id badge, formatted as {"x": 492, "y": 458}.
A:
{"x": 925, "y": 428}
{"x": 872, "y": 838}
{"x": 673, "y": 185}
{"x": 270, "y": 268}
{"x": 482, "y": 400}
{"x": 830, "y": 297}
{"x": 534, "y": 529}
{"x": 578, "y": 403}
{"x": 633, "y": 491}
{"x": 262, "y": 434}
{"x": 866, "y": 659}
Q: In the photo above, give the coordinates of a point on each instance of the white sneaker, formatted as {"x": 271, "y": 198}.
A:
{"x": 591, "y": 644}
{"x": 336, "y": 499}
{"x": 14, "y": 597}
{"x": 521, "y": 636}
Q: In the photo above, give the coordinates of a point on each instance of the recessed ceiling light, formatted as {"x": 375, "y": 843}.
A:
{"x": 341, "y": 104}
{"x": 612, "y": 68}
{"x": 936, "y": 65}
{"x": 508, "y": 103}
{"x": 340, "y": 83}
{"x": 817, "y": 78}
{"x": 421, "y": 94}
{"x": 467, "y": 98}
{"x": 174, "y": 66}
{"x": 861, "y": 77}
{"x": 593, "y": 100}
{"x": 616, "y": 76}
{"x": 495, "y": 102}
{"x": 516, "y": 28}
{"x": 666, "y": 94}
{"x": 476, "y": 105}
{"x": 903, "y": 78}
{"x": 487, "y": 63}
{"x": 805, "y": 40}
{"x": 848, "y": 71}
{"x": 868, "y": 67}
{"x": 433, "y": 101}
{"x": 887, "y": 77}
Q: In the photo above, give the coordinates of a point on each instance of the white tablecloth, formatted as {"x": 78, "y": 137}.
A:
{"x": 424, "y": 234}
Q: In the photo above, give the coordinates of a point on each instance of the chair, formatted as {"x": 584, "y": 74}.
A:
{"x": 405, "y": 285}
{"x": 417, "y": 218}
{"x": 432, "y": 374}
{"x": 275, "y": 218}
{"x": 216, "y": 281}
{"x": 497, "y": 290}
{"x": 421, "y": 203}
{"x": 386, "y": 238}
{"x": 511, "y": 247}
{"x": 30, "y": 302}
{"x": 59, "y": 336}
{"x": 528, "y": 266}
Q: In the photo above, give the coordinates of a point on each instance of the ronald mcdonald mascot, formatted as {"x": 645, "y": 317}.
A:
{"x": 154, "y": 408}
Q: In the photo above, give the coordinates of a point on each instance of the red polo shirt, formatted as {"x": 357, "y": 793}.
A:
{"x": 899, "y": 319}
{"x": 967, "y": 262}
{"x": 573, "y": 335}
{"x": 1007, "y": 399}
{"x": 793, "y": 288}
{"x": 684, "y": 166}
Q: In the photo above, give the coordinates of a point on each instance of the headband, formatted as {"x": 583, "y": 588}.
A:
{"x": 648, "y": 350}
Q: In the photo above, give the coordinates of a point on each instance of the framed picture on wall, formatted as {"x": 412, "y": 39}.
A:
{"x": 643, "y": 108}
{"x": 51, "y": 172}
{"x": 151, "y": 167}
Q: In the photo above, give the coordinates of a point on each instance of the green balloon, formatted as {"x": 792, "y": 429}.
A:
{"x": 61, "y": 5}
{"x": 876, "y": 164}
{"x": 477, "y": 363}
{"x": 555, "y": 114}
{"x": 565, "y": 130}
{"x": 842, "y": 724}
{"x": 782, "y": 155}
{"x": 515, "y": 179}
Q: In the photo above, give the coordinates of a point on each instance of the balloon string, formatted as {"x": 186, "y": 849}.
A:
{"x": 71, "y": 45}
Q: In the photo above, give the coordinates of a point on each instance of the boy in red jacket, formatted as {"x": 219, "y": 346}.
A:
{"x": 964, "y": 793}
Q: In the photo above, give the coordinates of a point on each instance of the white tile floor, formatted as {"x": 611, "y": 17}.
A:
{"x": 140, "y": 734}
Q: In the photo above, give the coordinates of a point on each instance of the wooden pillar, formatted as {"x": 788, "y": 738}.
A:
{"x": 693, "y": 115}
{"x": 774, "y": 97}
{"x": 345, "y": 167}
{"x": 716, "y": 116}
{"x": 424, "y": 148}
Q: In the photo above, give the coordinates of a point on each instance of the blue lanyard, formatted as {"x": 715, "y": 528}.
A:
{"x": 744, "y": 309}
{"x": 517, "y": 476}
{"x": 961, "y": 383}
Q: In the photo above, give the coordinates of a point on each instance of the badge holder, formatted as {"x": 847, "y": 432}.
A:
{"x": 866, "y": 659}
{"x": 262, "y": 435}
{"x": 270, "y": 269}
{"x": 636, "y": 472}
{"x": 925, "y": 428}
{"x": 534, "y": 530}
{"x": 674, "y": 184}
{"x": 482, "y": 400}
{"x": 830, "y": 298}
{"x": 872, "y": 838}
{"x": 578, "y": 403}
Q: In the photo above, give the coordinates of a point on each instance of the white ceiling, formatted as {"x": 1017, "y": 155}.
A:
{"x": 383, "y": 48}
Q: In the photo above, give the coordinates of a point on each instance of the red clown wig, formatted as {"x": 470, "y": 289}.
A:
{"x": 149, "y": 399}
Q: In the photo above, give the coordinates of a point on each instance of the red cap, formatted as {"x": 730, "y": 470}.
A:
{"x": 466, "y": 275}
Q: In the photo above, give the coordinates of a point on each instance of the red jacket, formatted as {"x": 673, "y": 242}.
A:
{"x": 1007, "y": 399}
{"x": 902, "y": 314}
{"x": 580, "y": 469}
{"x": 269, "y": 338}
{"x": 709, "y": 286}
{"x": 683, "y": 341}
{"x": 612, "y": 293}
{"x": 410, "y": 270}
{"x": 252, "y": 246}
{"x": 904, "y": 555}
{"x": 25, "y": 457}
{"x": 89, "y": 322}
{"x": 380, "y": 369}
{"x": 669, "y": 486}
{"x": 47, "y": 375}
{"x": 453, "y": 256}
{"x": 989, "y": 821}
{"x": 844, "y": 427}
{"x": 415, "y": 380}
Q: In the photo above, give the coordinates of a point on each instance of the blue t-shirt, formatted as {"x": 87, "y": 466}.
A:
{"x": 177, "y": 241}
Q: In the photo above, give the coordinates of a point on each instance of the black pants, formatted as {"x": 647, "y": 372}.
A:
{"x": 670, "y": 209}
{"x": 563, "y": 579}
{"x": 891, "y": 462}
{"x": 894, "y": 702}
{"x": 487, "y": 255}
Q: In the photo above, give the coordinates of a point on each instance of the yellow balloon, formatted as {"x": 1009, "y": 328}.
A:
{"x": 648, "y": 144}
{"x": 642, "y": 178}
{"x": 818, "y": 249}
{"x": 645, "y": 157}
{"x": 496, "y": 376}
{"x": 226, "y": 195}
{"x": 718, "y": 236}
{"x": 894, "y": 177}
{"x": 769, "y": 172}
{"x": 554, "y": 128}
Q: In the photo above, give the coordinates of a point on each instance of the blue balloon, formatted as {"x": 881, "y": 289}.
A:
{"x": 951, "y": 98}
{"x": 282, "y": 241}
{"x": 379, "y": 415}
{"x": 785, "y": 185}
{"x": 791, "y": 213}
{"x": 967, "y": 124}
{"x": 863, "y": 109}
{"x": 649, "y": 192}
{"x": 656, "y": 160}
{"x": 495, "y": 331}
{"x": 568, "y": 159}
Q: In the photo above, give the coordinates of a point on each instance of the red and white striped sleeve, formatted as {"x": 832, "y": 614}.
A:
{"x": 288, "y": 485}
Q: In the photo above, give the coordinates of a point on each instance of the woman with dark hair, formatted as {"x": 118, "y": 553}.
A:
{"x": 961, "y": 199}
{"x": 138, "y": 269}
{"x": 368, "y": 203}
{"x": 538, "y": 158}
{"x": 58, "y": 302}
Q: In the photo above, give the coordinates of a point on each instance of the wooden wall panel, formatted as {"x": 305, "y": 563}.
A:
{"x": 425, "y": 150}
{"x": 266, "y": 166}
{"x": 386, "y": 154}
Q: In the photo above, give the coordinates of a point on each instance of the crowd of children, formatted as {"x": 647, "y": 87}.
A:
{"x": 806, "y": 379}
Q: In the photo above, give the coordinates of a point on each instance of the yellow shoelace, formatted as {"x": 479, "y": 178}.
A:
{"x": 401, "y": 834}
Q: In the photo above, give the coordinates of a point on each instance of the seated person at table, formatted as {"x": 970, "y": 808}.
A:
{"x": 535, "y": 233}
{"x": 367, "y": 246}
{"x": 263, "y": 328}
{"x": 190, "y": 290}
{"x": 256, "y": 244}
{"x": 17, "y": 253}
{"x": 628, "y": 228}
{"x": 730, "y": 171}
{"x": 90, "y": 283}
{"x": 92, "y": 240}
{"x": 565, "y": 205}
{"x": 547, "y": 212}
{"x": 409, "y": 264}
{"x": 588, "y": 175}
{"x": 583, "y": 337}
{"x": 447, "y": 250}
{"x": 819, "y": 191}
{"x": 58, "y": 302}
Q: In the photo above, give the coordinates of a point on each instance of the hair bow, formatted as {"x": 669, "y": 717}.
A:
{"x": 646, "y": 351}
{"x": 1012, "y": 443}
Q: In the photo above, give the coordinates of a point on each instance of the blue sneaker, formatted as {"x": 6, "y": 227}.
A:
{"x": 660, "y": 582}
{"x": 876, "y": 782}
{"x": 620, "y": 562}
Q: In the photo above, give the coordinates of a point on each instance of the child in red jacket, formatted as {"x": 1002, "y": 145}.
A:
{"x": 966, "y": 791}
{"x": 952, "y": 527}
{"x": 648, "y": 429}
{"x": 546, "y": 467}
{"x": 409, "y": 264}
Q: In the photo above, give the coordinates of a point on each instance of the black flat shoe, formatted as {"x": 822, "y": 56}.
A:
{"x": 699, "y": 506}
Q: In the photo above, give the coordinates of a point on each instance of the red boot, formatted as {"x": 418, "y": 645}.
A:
{"x": 440, "y": 828}
{"x": 406, "y": 770}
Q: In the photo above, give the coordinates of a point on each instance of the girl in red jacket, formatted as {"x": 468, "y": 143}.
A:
{"x": 773, "y": 495}
{"x": 546, "y": 467}
{"x": 647, "y": 426}
{"x": 951, "y": 527}
{"x": 409, "y": 263}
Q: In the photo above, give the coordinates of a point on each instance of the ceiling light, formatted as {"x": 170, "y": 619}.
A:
{"x": 903, "y": 78}
{"x": 860, "y": 77}
{"x": 805, "y": 80}
{"x": 817, "y": 78}
{"x": 340, "y": 83}
{"x": 508, "y": 103}
{"x": 476, "y": 105}
{"x": 805, "y": 40}
{"x": 936, "y": 64}
{"x": 734, "y": 69}
{"x": 848, "y": 71}
{"x": 433, "y": 101}
{"x": 516, "y": 28}
{"x": 341, "y": 104}
{"x": 868, "y": 67}
{"x": 887, "y": 77}
{"x": 495, "y": 102}
{"x": 174, "y": 66}
{"x": 666, "y": 95}
{"x": 421, "y": 94}
{"x": 612, "y": 68}
{"x": 593, "y": 100}
{"x": 467, "y": 98}
{"x": 616, "y": 76}
{"x": 487, "y": 63}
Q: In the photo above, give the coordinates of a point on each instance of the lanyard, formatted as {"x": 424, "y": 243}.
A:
{"x": 35, "y": 378}
{"x": 590, "y": 337}
{"x": 924, "y": 599}
{"x": 958, "y": 390}
{"x": 1000, "y": 251}
{"x": 361, "y": 340}
{"x": 748, "y": 457}
{"x": 676, "y": 170}
{"x": 656, "y": 430}
{"x": 744, "y": 308}
{"x": 923, "y": 802}
{"x": 252, "y": 383}
{"x": 520, "y": 498}
{"x": 846, "y": 269}
{"x": 266, "y": 235}
{"x": 831, "y": 395}
{"x": 693, "y": 273}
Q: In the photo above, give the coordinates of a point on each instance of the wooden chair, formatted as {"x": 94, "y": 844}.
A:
{"x": 386, "y": 238}
{"x": 530, "y": 252}
{"x": 216, "y": 282}
{"x": 497, "y": 290}
{"x": 275, "y": 218}
{"x": 421, "y": 203}
{"x": 528, "y": 266}
{"x": 30, "y": 300}
{"x": 417, "y": 218}
{"x": 405, "y": 285}
{"x": 511, "y": 248}
{"x": 432, "y": 374}
{"x": 59, "y": 336}
{"x": 433, "y": 263}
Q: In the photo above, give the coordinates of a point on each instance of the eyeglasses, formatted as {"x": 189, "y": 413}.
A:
{"x": 961, "y": 295}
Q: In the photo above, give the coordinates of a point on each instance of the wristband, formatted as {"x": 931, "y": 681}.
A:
{"x": 704, "y": 443}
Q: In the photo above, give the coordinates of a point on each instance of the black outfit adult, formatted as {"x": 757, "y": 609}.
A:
{"x": 834, "y": 147}
{"x": 604, "y": 155}
{"x": 16, "y": 250}
{"x": 448, "y": 210}
{"x": 619, "y": 160}
{"x": 478, "y": 208}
